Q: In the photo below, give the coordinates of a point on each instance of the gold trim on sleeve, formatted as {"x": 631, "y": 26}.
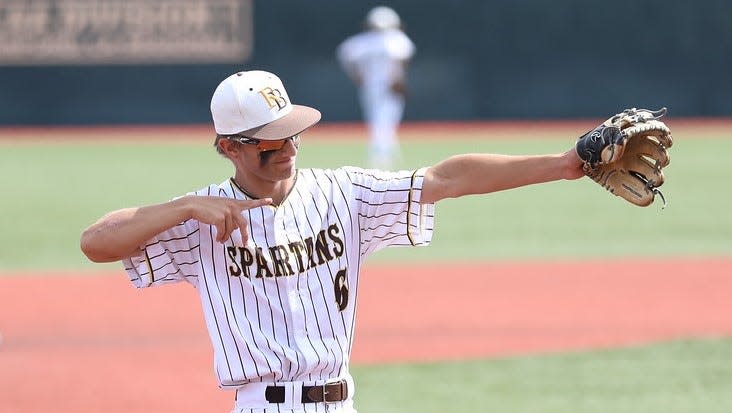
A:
{"x": 149, "y": 265}
{"x": 409, "y": 209}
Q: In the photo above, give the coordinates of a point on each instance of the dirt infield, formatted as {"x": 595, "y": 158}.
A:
{"x": 93, "y": 343}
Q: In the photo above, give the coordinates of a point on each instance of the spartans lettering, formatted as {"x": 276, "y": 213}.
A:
{"x": 277, "y": 261}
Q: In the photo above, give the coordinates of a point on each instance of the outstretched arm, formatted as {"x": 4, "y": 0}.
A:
{"x": 483, "y": 173}
{"x": 119, "y": 234}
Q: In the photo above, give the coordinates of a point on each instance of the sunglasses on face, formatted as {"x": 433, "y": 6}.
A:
{"x": 265, "y": 145}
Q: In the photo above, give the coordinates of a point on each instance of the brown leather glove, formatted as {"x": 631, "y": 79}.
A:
{"x": 626, "y": 154}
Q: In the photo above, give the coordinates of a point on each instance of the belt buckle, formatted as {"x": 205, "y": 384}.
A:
{"x": 325, "y": 393}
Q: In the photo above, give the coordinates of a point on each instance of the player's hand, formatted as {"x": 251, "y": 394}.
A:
{"x": 399, "y": 87}
{"x": 224, "y": 214}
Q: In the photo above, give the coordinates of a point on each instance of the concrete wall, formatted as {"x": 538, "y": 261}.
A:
{"x": 497, "y": 59}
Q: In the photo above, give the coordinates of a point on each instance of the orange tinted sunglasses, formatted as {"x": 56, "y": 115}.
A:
{"x": 266, "y": 145}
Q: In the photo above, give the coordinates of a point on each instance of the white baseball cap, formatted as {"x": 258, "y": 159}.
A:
{"x": 382, "y": 18}
{"x": 255, "y": 104}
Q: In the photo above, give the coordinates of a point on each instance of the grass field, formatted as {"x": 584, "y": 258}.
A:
{"x": 678, "y": 377}
{"x": 53, "y": 189}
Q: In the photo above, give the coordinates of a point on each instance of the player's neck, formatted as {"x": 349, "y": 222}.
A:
{"x": 257, "y": 188}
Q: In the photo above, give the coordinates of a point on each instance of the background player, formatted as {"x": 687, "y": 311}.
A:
{"x": 376, "y": 61}
{"x": 275, "y": 252}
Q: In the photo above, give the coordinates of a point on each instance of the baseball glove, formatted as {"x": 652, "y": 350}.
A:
{"x": 626, "y": 154}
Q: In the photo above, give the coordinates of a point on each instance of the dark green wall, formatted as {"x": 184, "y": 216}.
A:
{"x": 496, "y": 59}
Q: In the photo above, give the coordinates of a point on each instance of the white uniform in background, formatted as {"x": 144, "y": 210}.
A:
{"x": 376, "y": 61}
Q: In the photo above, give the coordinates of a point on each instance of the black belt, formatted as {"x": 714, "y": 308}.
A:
{"x": 328, "y": 393}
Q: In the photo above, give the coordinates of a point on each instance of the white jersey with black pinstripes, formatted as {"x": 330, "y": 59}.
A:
{"x": 282, "y": 307}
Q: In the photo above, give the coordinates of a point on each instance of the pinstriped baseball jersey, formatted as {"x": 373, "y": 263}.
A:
{"x": 282, "y": 307}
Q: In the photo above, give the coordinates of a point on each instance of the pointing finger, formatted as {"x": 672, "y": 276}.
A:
{"x": 245, "y": 204}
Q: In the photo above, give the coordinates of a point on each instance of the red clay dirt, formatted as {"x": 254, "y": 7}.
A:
{"x": 92, "y": 343}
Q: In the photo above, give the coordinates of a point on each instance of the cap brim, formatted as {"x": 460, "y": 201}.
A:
{"x": 299, "y": 119}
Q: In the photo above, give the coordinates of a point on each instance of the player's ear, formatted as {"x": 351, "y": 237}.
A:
{"x": 227, "y": 147}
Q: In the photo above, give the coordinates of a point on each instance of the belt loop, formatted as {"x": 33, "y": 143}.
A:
{"x": 296, "y": 397}
{"x": 344, "y": 388}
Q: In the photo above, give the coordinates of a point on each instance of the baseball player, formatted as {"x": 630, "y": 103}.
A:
{"x": 376, "y": 61}
{"x": 275, "y": 252}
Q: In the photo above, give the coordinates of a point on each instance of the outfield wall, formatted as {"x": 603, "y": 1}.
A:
{"x": 497, "y": 59}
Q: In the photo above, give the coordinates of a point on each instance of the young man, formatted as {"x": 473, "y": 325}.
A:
{"x": 376, "y": 60}
{"x": 275, "y": 252}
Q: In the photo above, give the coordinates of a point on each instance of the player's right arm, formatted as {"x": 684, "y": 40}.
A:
{"x": 119, "y": 234}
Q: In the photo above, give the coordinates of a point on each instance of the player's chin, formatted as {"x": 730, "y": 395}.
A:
{"x": 283, "y": 169}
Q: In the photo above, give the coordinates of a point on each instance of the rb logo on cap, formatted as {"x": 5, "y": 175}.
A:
{"x": 273, "y": 97}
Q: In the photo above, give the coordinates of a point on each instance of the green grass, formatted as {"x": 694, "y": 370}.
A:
{"x": 52, "y": 191}
{"x": 677, "y": 377}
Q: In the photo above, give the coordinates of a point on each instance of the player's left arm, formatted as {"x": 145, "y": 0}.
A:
{"x": 398, "y": 81}
{"x": 484, "y": 173}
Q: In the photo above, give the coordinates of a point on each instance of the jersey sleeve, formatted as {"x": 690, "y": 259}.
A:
{"x": 171, "y": 256}
{"x": 349, "y": 50}
{"x": 400, "y": 46}
{"x": 390, "y": 211}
